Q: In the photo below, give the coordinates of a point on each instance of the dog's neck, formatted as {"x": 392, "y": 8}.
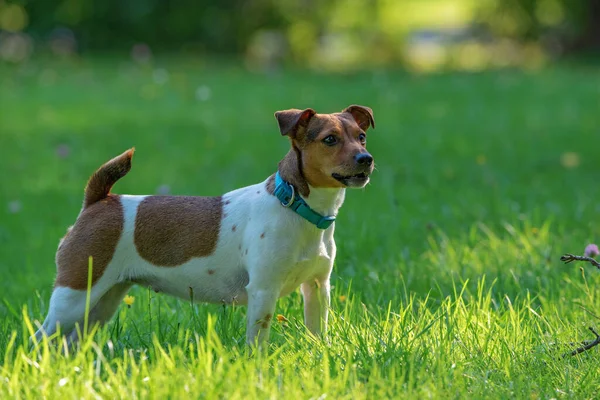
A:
{"x": 325, "y": 201}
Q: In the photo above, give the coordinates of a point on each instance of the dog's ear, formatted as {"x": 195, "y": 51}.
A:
{"x": 362, "y": 115}
{"x": 290, "y": 120}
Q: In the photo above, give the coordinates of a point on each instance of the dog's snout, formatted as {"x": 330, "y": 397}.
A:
{"x": 363, "y": 159}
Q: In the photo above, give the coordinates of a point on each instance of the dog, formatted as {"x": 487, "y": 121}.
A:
{"x": 250, "y": 246}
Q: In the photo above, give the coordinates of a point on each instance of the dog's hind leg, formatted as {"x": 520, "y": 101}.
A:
{"x": 67, "y": 308}
{"x": 104, "y": 310}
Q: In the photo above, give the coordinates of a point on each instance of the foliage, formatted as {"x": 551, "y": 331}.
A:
{"x": 557, "y": 22}
{"x": 332, "y": 34}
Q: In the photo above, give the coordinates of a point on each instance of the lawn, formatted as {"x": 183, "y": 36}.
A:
{"x": 447, "y": 284}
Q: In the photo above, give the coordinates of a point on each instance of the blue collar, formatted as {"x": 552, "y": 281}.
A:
{"x": 288, "y": 197}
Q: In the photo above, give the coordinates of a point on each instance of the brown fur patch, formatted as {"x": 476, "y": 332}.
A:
{"x": 290, "y": 169}
{"x": 266, "y": 320}
{"x": 170, "y": 230}
{"x": 95, "y": 233}
{"x": 271, "y": 184}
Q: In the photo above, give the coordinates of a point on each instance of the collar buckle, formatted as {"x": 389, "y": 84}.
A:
{"x": 292, "y": 198}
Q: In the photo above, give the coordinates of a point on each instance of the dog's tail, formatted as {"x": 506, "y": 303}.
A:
{"x": 99, "y": 185}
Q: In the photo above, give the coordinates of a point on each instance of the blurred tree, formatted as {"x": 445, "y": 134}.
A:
{"x": 321, "y": 33}
{"x": 567, "y": 24}
{"x": 211, "y": 25}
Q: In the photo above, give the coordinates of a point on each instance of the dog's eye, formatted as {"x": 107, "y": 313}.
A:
{"x": 362, "y": 138}
{"x": 330, "y": 140}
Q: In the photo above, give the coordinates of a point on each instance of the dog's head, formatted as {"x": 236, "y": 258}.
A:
{"x": 332, "y": 148}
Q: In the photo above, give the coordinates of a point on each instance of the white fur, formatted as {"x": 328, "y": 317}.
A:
{"x": 293, "y": 252}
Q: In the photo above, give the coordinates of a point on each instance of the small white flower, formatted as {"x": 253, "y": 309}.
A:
{"x": 203, "y": 93}
{"x": 160, "y": 76}
{"x": 14, "y": 206}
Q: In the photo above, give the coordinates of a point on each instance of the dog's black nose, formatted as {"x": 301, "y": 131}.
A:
{"x": 363, "y": 159}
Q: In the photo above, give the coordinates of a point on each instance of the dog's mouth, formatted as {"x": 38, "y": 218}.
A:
{"x": 357, "y": 180}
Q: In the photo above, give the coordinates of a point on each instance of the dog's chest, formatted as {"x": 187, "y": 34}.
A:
{"x": 313, "y": 261}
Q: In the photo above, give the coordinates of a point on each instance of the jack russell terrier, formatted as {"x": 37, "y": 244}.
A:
{"x": 249, "y": 246}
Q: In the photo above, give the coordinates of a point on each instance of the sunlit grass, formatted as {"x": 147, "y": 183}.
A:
{"x": 447, "y": 282}
{"x": 477, "y": 339}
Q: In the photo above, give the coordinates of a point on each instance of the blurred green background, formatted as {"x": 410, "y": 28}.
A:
{"x": 487, "y": 112}
{"x": 488, "y": 129}
{"x": 422, "y": 35}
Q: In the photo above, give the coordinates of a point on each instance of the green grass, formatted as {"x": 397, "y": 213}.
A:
{"x": 447, "y": 282}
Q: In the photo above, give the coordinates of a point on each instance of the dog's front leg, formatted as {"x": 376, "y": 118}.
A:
{"x": 316, "y": 304}
{"x": 261, "y": 307}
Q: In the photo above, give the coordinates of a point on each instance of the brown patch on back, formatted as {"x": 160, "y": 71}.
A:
{"x": 95, "y": 233}
{"x": 170, "y": 230}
